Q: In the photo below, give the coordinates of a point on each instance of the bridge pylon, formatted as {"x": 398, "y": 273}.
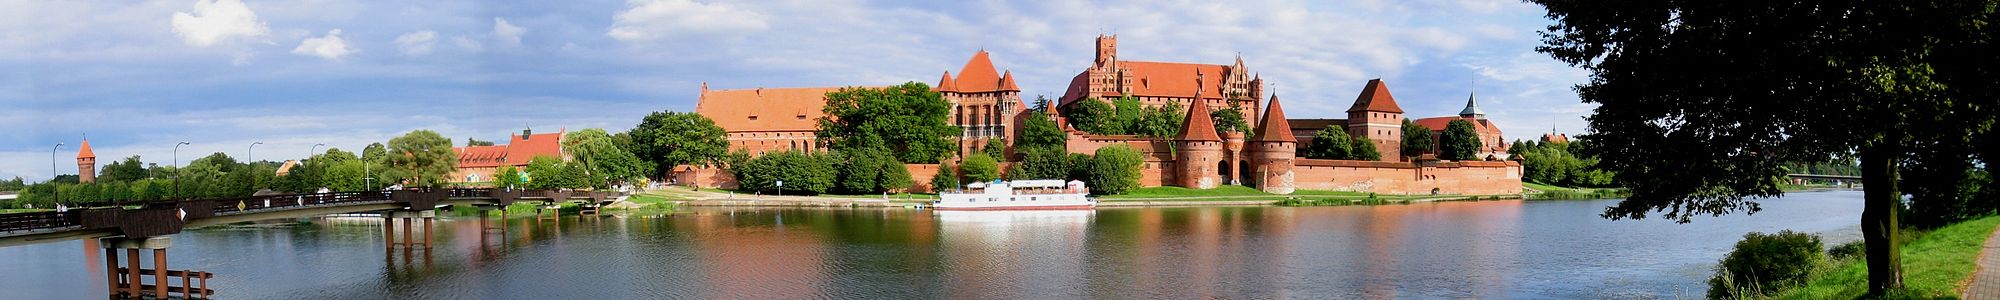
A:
{"x": 408, "y": 217}
{"x": 129, "y": 282}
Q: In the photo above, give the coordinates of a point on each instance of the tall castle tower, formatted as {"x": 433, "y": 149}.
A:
{"x": 86, "y": 164}
{"x": 1376, "y": 116}
{"x": 1200, "y": 157}
{"x": 1272, "y": 151}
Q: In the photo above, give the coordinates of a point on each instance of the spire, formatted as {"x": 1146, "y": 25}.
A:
{"x": 946, "y": 84}
{"x": 84, "y": 151}
{"x": 1199, "y": 128}
{"x": 1471, "y": 108}
{"x": 1375, "y": 97}
{"x": 1274, "y": 127}
{"x": 1007, "y": 82}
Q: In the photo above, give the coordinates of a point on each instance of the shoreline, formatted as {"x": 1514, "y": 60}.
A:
{"x": 713, "y": 199}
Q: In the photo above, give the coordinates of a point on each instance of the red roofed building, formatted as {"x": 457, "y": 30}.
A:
{"x": 478, "y": 163}
{"x": 1160, "y": 83}
{"x": 763, "y": 120}
{"x": 985, "y": 104}
{"x": 86, "y": 163}
{"x": 1491, "y": 144}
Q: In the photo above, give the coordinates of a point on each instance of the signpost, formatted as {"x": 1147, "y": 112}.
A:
{"x": 781, "y": 187}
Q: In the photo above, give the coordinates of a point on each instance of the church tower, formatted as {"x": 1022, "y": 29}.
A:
{"x": 1376, "y": 117}
{"x": 86, "y": 164}
{"x": 1200, "y": 157}
{"x": 1272, "y": 151}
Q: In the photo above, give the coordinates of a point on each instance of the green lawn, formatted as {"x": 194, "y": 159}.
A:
{"x": 1551, "y": 192}
{"x": 1934, "y": 266}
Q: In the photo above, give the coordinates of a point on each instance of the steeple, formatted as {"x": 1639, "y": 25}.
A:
{"x": 946, "y": 84}
{"x": 1007, "y": 82}
{"x": 1472, "y": 108}
{"x": 1274, "y": 127}
{"x": 84, "y": 151}
{"x": 1375, "y": 97}
{"x": 1199, "y": 128}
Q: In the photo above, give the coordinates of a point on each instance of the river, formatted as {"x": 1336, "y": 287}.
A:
{"x": 1489, "y": 249}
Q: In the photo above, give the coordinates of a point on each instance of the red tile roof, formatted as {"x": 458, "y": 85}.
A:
{"x": 1007, "y": 82}
{"x": 979, "y": 76}
{"x": 764, "y": 109}
{"x": 1375, "y": 97}
{"x": 84, "y": 151}
{"x": 1199, "y": 127}
{"x": 518, "y": 150}
{"x": 1481, "y": 126}
{"x": 946, "y": 84}
{"x": 1274, "y": 127}
{"x": 1169, "y": 79}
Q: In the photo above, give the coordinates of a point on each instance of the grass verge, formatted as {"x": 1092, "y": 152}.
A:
{"x": 1935, "y": 265}
{"x": 1550, "y": 192}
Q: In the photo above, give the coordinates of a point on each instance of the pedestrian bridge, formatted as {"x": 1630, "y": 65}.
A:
{"x": 165, "y": 217}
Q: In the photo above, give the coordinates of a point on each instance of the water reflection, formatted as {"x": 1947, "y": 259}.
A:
{"x": 1500, "y": 249}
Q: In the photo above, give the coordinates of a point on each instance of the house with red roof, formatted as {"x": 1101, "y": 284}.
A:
{"x": 478, "y": 163}
{"x": 1492, "y": 146}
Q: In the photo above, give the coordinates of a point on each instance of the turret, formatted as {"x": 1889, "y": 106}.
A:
{"x": 1376, "y": 117}
{"x": 86, "y": 164}
{"x": 1272, "y": 151}
{"x": 1200, "y": 154}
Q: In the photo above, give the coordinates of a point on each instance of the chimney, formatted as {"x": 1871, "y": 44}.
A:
{"x": 527, "y": 132}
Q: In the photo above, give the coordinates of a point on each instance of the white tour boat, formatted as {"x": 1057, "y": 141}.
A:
{"x": 1018, "y": 195}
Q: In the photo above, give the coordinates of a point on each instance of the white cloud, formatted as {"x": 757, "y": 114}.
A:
{"x": 468, "y": 44}
{"x": 329, "y": 47}
{"x": 416, "y": 43}
{"x": 647, "y": 20}
{"x": 215, "y": 21}
{"x": 506, "y": 32}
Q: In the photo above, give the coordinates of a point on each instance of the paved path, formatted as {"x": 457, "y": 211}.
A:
{"x": 1986, "y": 277}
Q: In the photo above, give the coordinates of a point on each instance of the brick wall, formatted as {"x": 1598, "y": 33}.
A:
{"x": 1398, "y": 178}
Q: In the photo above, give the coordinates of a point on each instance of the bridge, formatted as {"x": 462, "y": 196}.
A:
{"x": 134, "y": 226}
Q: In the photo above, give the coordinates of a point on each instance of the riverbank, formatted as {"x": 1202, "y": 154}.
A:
{"x": 1936, "y": 265}
{"x": 1152, "y": 196}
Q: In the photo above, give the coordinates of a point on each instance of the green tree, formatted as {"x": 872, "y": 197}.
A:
{"x": 507, "y": 177}
{"x": 895, "y": 176}
{"x": 1040, "y": 163}
{"x": 909, "y": 121}
{"x": 996, "y": 148}
{"x": 1230, "y": 119}
{"x": 1329, "y": 143}
{"x": 602, "y": 160}
{"x": 1700, "y": 103}
{"x": 1080, "y": 165}
{"x": 221, "y": 161}
{"x": 669, "y": 139}
{"x": 1125, "y": 115}
{"x": 1115, "y": 170}
{"x": 1092, "y": 115}
{"x": 1363, "y": 149}
{"x": 128, "y": 169}
{"x": 1459, "y": 141}
{"x": 549, "y": 173}
{"x": 375, "y": 153}
{"x": 348, "y": 175}
{"x": 1038, "y": 131}
{"x": 1163, "y": 121}
{"x": 422, "y": 157}
{"x": 946, "y": 178}
{"x": 801, "y": 173}
{"x": 1416, "y": 139}
{"x": 473, "y": 142}
{"x": 860, "y": 170}
{"x": 980, "y": 168}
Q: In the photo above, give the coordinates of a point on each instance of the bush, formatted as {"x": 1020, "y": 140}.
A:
{"x": 946, "y": 178}
{"x": 980, "y": 168}
{"x": 801, "y": 173}
{"x": 1115, "y": 170}
{"x": 1762, "y": 262}
{"x": 1854, "y": 249}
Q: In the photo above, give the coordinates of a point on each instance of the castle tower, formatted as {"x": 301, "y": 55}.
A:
{"x": 1376, "y": 116}
{"x": 1271, "y": 152}
{"x": 1471, "y": 111}
{"x": 86, "y": 164}
{"x": 1200, "y": 157}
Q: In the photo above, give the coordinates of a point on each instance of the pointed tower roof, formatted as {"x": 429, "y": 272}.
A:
{"x": 946, "y": 84}
{"x": 1199, "y": 126}
{"x": 1007, "y": 82}
{"x": 1375, "y": 97}
{"x": 978, "y": 75}
{"x": 84, "y": 151}
{"x": 1274, "y": 127}
{"x": 1471, "y": 108}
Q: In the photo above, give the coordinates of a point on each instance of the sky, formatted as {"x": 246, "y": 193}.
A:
{"x": 137, "y": 77}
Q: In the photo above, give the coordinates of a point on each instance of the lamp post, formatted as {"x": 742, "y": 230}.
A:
{"x": 177, "y": 167}
{"x": 309, "y": 154}
{"x": 54, "y": 166}
{"x": 250, "y": 164}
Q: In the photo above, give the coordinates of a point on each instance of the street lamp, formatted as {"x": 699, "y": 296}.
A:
{"x": 53, "y": 167}
{"x": 177, "y": 168}
{"x": 250, "y": 163}
{"x": 309, "y": 154}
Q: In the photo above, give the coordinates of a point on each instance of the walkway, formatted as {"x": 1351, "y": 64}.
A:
{"x": 1986, "y": 277}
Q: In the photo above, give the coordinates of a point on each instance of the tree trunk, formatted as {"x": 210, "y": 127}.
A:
{"x": 1879, "y": 224}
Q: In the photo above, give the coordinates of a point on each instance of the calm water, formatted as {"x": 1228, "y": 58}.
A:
{"x": 1495, "y": 249}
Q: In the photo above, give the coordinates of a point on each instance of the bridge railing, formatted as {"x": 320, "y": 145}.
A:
{"x": 44, "y": 220}
{"x": 188, "y": 209}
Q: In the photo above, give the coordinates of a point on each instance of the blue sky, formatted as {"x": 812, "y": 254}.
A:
{"x": 139, "y": 76}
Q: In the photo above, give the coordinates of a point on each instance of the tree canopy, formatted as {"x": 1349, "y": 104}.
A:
{"x": 1700, "y": 103}
{"x": 667, "y": 139}
{"x": 1416, "y": 139}
{"x": 1115, "y": 169}
{"x": 1092, "y": 115}
{"x": 1329, "y": 143}
{"x": 909, "y": 121}
{"x": 1460, "y": 141}
{"x": 423, "y": 157}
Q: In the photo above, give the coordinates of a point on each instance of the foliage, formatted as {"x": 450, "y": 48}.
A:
{"x": 128, "y": 169}
{"x": 1763, "y": 263}
{"x": 996, "y": 148}
{"x": 550, "y": 173}
{"x": 1163, "y": 121}
{"x": 860, "y": 170}
{"x": 507, "y": 177}
{"x": 980, "y": 168}
{"x": 1329, "y": 143}
{"x": 909, "y": 121}
{"x": 1038, "y": 131}
{"x": 1560, "y": 164}
{"x": 1460, "y": 141}
{"x": 1125, "y": 114}
{"x": 602, "y": 159}
{"x": 801, "y": 173}
{"x": 1115, "y": 170}
{"x": 946, "y": 178}
{"x": 1700, "y": 103}
{"x": 1080, "y": 165}
{"x": 474, "y": 142}
{"x": 1939, "y": 261}
{"x": 1230, "y": 119}
{"x": 12, "y": 185}
{"x": 1364, "y": 149}
{"x": 895, "y": 177}
{"x": 422, "y": 157}
{"x": 375, "y": 153}
{"x": 1416, "y": 139}
{"x": 1041, "y": 163}
{"x": 1092, "y": 115}
{"x": 667, "y": 139}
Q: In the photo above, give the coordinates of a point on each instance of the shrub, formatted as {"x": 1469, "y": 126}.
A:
{"x": 1762, "y": 262}
{"x": 946, "y": 178}
{"x": 980, "y": 168}
{"x": 1854, "y": 249}
{"x": 1115, "y": 170}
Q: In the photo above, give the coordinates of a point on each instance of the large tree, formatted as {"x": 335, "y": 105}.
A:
{"x": 603, "y": 161}
{"x": 909, "y": 121}
{"x": 1230, "y": 119}
{"x": 1329, "y": 143}
{"x": 1700, "y": 103}
{"x": 1460, "y": 141}
{"x": 128, "y": 169}
{"x": 1115, "y": 169}
{"x": 1416, "y": 139}
{"x": 422, "y": 157}
{"x": 1159, "y": 122}
{"x": 1092, "y": 115}
{"x": 668, "y": 139}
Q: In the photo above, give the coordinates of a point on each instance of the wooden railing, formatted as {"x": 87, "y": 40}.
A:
{"x": 171, "y": 211}
{"x": 193, "y": 284}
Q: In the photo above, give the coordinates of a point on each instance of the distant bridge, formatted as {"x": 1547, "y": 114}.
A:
{"x": 1826, "y": 177}
{"x": 165, "y": 217}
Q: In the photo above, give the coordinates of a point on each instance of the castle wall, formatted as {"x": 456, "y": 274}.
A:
{"x": 1398, "y": 178}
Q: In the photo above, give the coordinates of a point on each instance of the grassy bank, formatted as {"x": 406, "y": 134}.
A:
{"x": 1550, "y": 192}
{"x": 1935, "y": 265}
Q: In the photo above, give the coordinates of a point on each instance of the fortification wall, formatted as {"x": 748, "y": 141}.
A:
{"x": 1398, "y": 178}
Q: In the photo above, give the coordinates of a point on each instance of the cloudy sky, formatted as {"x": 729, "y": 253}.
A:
{"x": 139, "y": 76}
